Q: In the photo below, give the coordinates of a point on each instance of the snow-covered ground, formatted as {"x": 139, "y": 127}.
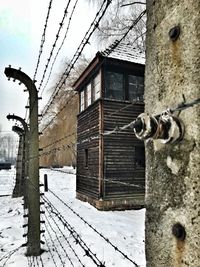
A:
{"x": 121, "y": 233}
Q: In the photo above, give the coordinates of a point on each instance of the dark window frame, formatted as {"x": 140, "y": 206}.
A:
{"x": 126, "y": 91}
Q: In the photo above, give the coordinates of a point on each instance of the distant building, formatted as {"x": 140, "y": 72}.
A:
{"x": 110, "y": 169}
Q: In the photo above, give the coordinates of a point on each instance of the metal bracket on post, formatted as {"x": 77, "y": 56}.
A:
{"x": 166, "y": 127}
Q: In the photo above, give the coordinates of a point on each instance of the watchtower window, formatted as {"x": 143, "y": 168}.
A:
{"x": 96, "y": 87}
{"x": 82, "y": 101}
{"x": 135, "y": 87}
{"x": 89, "y": 94}
{"x": 114, "y": 85}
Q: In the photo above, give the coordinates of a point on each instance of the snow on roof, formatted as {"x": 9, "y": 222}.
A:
{"x": 124, "y": 51}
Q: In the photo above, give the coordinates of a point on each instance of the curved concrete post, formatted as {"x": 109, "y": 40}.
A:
{"x": 26, "y": 152}
{"x": 33, "y": 185}
{"x": 19, "y": 189}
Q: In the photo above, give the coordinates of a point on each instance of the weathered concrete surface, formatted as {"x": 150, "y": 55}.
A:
{"x": 173, "y": 171}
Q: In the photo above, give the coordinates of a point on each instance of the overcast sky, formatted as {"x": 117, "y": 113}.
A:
{"x": 21, "y": 28}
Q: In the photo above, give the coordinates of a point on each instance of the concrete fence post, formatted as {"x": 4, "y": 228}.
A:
{"x": 173, "y": 170}
{"x": 19, "y": 189}
{"x": 33, "y": 237}
{"x": 25, "y": 152}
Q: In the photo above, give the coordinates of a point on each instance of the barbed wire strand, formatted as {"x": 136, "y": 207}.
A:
{"x": 109, "y": 180}
{"x": 37, "y": 262}
{"x": 41, "y": 261}
{"x": 49, "y": 250}
{"x": 51, "y": 227}
{"x": 74, "y": 234}
{"x": 117, "y": 42}
{"x": 78, "y": 53}
{"x": 94, "y": 229}
{"x": 43, "y": 38}
{"x": 54, "y": 44}
{"x": 110, "y": 115}
{"x": 64, "y": 236}
{"x": 57, "y": 113}
{"x": 70, "y": 229}
{"x": 59, "y": 140}
{"x": 59, "y": 49}
{"x": 55, "y": 247}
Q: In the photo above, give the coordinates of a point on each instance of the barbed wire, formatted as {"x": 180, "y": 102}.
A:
{"x": 67, "y": 255}
{"x": 55, "y": 247}
{"x": 54, "y": 44}
{"x": 78, "y": 52}
{"x": 109, "y": 180}
{"x": 54, "y": 150}
{"x": 74, "y": 234}
{"x": 49, "y": 250}
{"x": 94, "y": 229}
{"x": 116, "y": 43}
{"x": 43, "y": 38}
{"x": 37, "y": 261}
{"x": 183, "y": 105}
{"x": 59, "y": 112}
{"x": 64, "y": 236}
{"x": 59, "y": 49}
{"x": 41, "y": 261}
{"x": 117, "y": 129}
{"x": 9, "y": 255}
{"x": 71, "y": 229}
{"x": 29, "y": 261}
{"x": 59, "y": 140}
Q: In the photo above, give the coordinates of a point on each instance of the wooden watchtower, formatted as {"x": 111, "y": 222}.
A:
{"x": 110, "y": 168}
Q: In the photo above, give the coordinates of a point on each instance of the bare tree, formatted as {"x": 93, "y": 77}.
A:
{"x": 118, "y": 19}
{"x": 60, "y": 121}
{"x": 7, "y": 146}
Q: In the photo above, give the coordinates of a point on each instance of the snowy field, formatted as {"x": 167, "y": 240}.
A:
{"x": 76, "y": 234}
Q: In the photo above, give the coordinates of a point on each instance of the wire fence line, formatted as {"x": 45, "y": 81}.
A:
{"x": 59, "y": 241}
{"x": 43, "y": 38}
{"x": 78, "y": 239}
{"x": 110, "y": 115}
{"x": 64, "y": 236}
{"x": 54, "y": 44}
{"x": 59, "y": 49}
{"x": 112, "y": 180}
{"x": 94, "y": 229}
{"x": 84, "y": 42}
{"x": 54, "y": 246}
{"x": 9, "y": 255}
{"x": 67, "y": 72}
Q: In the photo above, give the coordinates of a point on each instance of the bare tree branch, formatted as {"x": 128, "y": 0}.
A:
{"x": 134, "y": 3}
